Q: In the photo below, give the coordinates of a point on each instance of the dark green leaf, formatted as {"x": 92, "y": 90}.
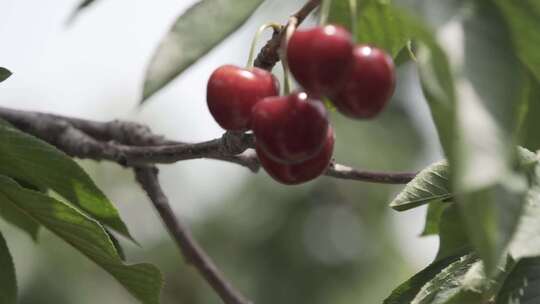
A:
{"x": 379, "y": 24}
{"x": 438, "y": 87}
{"x": 27, "y": 158}
{"x": 8, "y": 281}
{"x": 85, "y": 234}
{"x": 18, "y": 219}
{"x": 478, "y": 133}
{"x": 433, "y": 217}
{"x": 486, "y": 109}
{"x": 505, "y": 217}
{"x": 405, "y": 54}
{"x": 27, "y": 185}
{"x": 529, "y": 133}
{"x": 522, "y": 285}
{"x": 406, "y": 292}
{"x": 523, "y": 19}
{"x": 464, "y": 280}
{"x": 195, "y": 33}
{"x": 491, "y": 216}
{"x": 452, "y": 233}
{"x": 382, "y": 26}
{"x": 15, "y": 217}
{"x": 431, "y": 184}
{"x": 117, "y": 245}
{"x": 4, "y": 74}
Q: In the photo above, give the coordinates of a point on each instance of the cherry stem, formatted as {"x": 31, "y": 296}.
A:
{"x": 353, "y": 5}
{"x": 277, "y": 27}
{"x": 325, "y": 11}
{"x": 286, "y": 79}
{"x": 289, "y": 31}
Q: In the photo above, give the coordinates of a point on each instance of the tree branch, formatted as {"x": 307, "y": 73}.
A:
{"x": 120, "y": 142}
{"x": 114, "y": 140}
{"x": 269, "y": 56}
{"x": 194, "y": 254}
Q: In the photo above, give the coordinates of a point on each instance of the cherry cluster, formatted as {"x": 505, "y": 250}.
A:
{"x": 294, "y": 139}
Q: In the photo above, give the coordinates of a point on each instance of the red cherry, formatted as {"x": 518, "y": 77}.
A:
{"x": 300, "y": 172}
{"x": 318, "y": 58}
{"x": 369, "y": 85}
{"x": 233, "y": 91}
{"x": 290, "y": 129}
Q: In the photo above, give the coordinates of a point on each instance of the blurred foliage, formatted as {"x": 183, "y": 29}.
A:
{"x": 327, "y": 241}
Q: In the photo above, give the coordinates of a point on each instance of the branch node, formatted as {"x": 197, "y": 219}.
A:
{"x": 236, "y": 142}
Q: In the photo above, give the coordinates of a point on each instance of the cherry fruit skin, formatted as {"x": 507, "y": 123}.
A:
{"x": 318, "y": 58}
{"x": 232, "y": 92}
{"x": 301, "y": 172}
{"x": 369, "y": 85}
{"x": 290, "y": 129}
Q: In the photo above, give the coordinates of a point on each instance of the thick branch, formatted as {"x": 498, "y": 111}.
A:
{"x": 269, "y": 56}
{"x": 222, "y": 148}
{"x": 118, "y": 141}
{"x": 132, "y": 144}
{"x": 194, "y": 254}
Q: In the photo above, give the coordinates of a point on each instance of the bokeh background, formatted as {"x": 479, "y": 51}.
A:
{"x": 328, "y": 241}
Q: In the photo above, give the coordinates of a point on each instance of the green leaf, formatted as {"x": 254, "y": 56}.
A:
{"x": 494, "y": 214}
{"x": 478, "y": 132}
{"x": 24, "y": 157}
{"x": 8, "y": 281}
{"x": 529, "y": 129}
{"x": 486, "y": 112}
{"x": 437, "y": 85}
{"x": 4, "y": 74}
{"x": 431, "y": 184}
{"x": 406, "y": 292}
{"x": 19, "y": 219}
{"x": 382, "y": 26}
{"x": 86, "y": 235}
{"x": 464, "y": 280}
{"x": 117, "y": 245}
{"x": 378, "y": 24}
{"x": 491, "y": 216}
{"x": 405, "y": 54}
{"x": 523, "y": 19}
{"x": 433, "y": 217}
{"x": 198, "y": 30}
{"x": 522, "y": 284}
{"x": 452, "y": 233}
{"x": 15, "y": 217}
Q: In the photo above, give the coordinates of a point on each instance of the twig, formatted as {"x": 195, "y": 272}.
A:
{"x": 345, "y": 172}
{"x": 194, "y": 254}
{"x": 268, "y": 56}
